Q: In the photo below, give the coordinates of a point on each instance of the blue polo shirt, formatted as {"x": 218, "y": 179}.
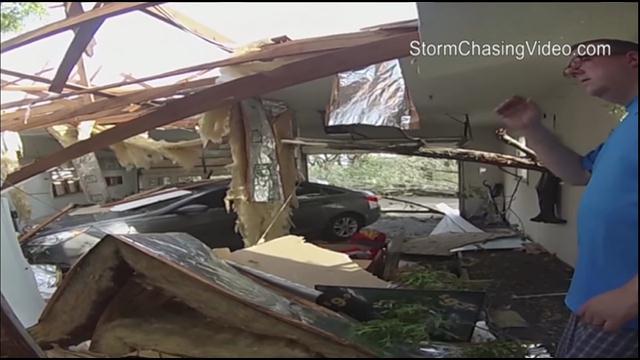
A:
{"x": 608, "y": 216}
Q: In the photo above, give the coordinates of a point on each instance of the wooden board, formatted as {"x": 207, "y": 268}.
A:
{"x": 287, "y": 75}
{"x": 291, "y": 48}
{"x": 104, "y": 12}
{"x": 124, "y": 100}
{"x": 183, "y": 22}
{"x": 81, "y": 40}
{"x": 441, "y": 244}
{"x": 47, "y": 81}
{"x": 23, "y": 239}
{"x": 15, "y": 341}
{"x": 293, "y": 259}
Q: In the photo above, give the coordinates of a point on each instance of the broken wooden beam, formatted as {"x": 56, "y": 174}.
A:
{"x": 73, "y": 8}
{"x": 83, "y": 37}
{"x": 415, "y": 149}
{"x": 111, "y": 9}
{"x": 183, "y": 22}
{"x": 15, "y": 341}
{"x": 124, "y": 100}
{"x": 307, "y": 69}
{"x": 47, "y": 81}
{"x": 13, "y": 82}
{"x": 484, "y": 157}
{"x": 24, "y": 238}
{"x": 503, "y": 136}
{"x": 268, "y": 53}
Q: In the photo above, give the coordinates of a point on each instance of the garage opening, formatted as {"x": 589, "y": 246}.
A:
{"x": 422, "y": 180}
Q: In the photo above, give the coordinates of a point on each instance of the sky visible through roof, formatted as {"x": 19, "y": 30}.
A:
{"x": 140, "y": 45}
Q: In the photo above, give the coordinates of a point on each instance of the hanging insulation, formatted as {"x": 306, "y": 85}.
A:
{"x": 255, "y": 217}
{"x": 141, "y": 152}
{"x": 214, "y": 124}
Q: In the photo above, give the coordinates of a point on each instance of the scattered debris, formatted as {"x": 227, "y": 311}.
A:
{"x": 481, "y": 333}
{"x": 422, "y": 277}
{"x": 188, "y": 303}
{"x": 498, "y": 244}
{"x": 442, "y": 244}
{"x": 48, "y": 278}
{"x": 504, "y": 319}
{"x": 453, "y": 222}
{"x": 291, "y": 258}
{"x": 538, "y": 295}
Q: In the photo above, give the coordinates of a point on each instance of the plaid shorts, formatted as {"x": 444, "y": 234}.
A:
{"x": 586, "y": 341}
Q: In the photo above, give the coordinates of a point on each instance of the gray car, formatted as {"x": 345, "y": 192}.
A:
{"x": 327, "y": 211}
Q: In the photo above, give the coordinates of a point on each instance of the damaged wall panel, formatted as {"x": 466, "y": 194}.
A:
{"x": 185, "y": 282}
{"x": 92, "y": 180}
{"x": 264, "y": 173}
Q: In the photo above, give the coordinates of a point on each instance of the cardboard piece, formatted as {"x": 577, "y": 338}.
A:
{"x": 291, "y": 258}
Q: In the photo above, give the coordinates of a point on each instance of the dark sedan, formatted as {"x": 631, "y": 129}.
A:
{"x": 334, "y": 212}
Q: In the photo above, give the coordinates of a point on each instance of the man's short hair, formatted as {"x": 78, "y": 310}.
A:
{"x": 618, "y": 47}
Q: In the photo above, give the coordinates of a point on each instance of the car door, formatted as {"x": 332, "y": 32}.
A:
{"x": 310, "y": 215}
{"x": 213, "y": 226}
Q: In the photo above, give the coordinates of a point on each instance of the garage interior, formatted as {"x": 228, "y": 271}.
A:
{"x": 482, "y": 278}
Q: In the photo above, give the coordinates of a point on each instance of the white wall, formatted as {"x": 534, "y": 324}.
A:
{"x": 581, "y": 123}
{"x": 17, "y": 280}
{"x": 475, "y": 201}
{"x": 38, "y": 188}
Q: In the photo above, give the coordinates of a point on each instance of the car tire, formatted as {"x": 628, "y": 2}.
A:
{"x": 344, "y": 226}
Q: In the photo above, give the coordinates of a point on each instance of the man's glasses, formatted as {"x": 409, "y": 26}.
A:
{"x": 576, "y": 62}
{"x": 574, "y": 65}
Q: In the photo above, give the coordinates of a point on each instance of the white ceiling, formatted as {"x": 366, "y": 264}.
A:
{"x": 475, "y": 85}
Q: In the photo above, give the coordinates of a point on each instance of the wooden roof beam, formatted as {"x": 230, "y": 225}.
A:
{"x": 109, "y": 10}
{"x": 183, "y": 22}
{"x": 307, "y": 69}
{"x": 80, "y": 43}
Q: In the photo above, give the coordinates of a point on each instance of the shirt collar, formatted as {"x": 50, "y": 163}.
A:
{"x": 632, "y": 108}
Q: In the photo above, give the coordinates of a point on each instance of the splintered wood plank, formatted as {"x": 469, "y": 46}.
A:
{"x": 307, "y": 69}
{"x": 29, "y": 234}
{"x": 57, "y": 27}
{"x": 183, "y": 22}
{"x": 83, "y": 37}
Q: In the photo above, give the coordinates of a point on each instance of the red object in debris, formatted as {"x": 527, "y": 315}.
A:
{"x": 372, "y": 240}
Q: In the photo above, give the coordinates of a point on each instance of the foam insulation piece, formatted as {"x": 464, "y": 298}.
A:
{"x": 214, "y": 124}
{"x": 179, "y": 274}
{"x": 173, "y": 328}
{"x": 233, "y": 72}
{"x": 10, "y": 153}
{"x": 141, "y": 152}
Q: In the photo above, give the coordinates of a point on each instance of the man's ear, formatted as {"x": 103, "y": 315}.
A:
{"x": 632, "y": 59}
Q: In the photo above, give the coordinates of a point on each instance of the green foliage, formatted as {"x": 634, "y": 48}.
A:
{"x": 403, "y": 324}
{"x": 424, "y": 278}
{"x": 14, "y": 14}
{"x": 387, "y": 174}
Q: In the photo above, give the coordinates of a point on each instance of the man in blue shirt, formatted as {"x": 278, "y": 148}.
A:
{"x": 603, "y": 296}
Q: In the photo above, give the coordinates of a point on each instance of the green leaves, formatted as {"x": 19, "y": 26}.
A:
{"x": 423, "y": 278}
{"x": 402, "y": 324}
{"x": 387, "y": 174}
{"x": 14, "y": 14}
